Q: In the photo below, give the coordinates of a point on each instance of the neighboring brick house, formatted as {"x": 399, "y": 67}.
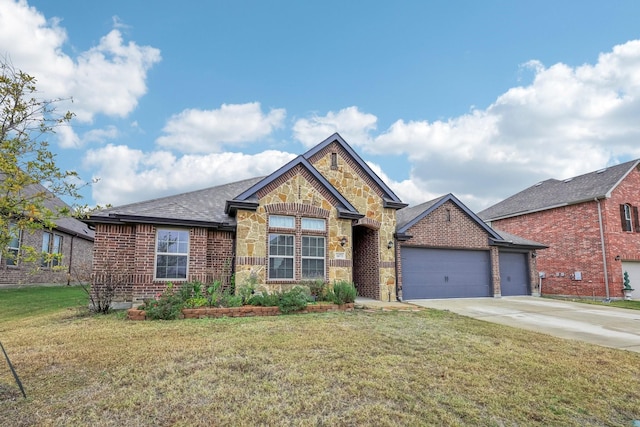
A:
{"x": 325, "y": 215}
{"x": 446, "y": 251}
{"x": 70, "y": 238}
{"x": 590, "y": 223}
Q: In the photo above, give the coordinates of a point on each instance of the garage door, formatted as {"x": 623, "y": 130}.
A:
{"x": 514, "y": 278}
{"x": 633, "y": 268}
{"x": 445, "y": 273}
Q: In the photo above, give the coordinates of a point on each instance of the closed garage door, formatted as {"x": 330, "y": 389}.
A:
{"x": 633, "y": 268}
{"x": 445, "y": 273}
{"x": 514, "y": 279}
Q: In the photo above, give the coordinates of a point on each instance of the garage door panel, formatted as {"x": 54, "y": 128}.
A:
{"x": 514, "y": 277}
{"x": 445, "y": 273}
{"x": 633, "y": 268}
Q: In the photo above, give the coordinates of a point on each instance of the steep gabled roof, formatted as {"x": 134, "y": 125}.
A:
{"x": 248, "y": 199}
{"x": 390, "y": 199}
{"x": 554, "y": 193}
{"x": 67, "y": 225}
{"x": 202, "y": 207}
{"x": 407, "y": 217}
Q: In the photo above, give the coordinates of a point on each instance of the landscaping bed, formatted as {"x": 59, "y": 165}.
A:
{"x": 244, "y": 311}
{"x": 193, "y": 300}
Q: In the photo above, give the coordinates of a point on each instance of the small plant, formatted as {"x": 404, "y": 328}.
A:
{"x": 626, "y": 284}
{"x": 294, "y": 300}
{"x": 343, "y": 292}
{"x": 264, "y": 299}
{"x": 196, "y": 302}
{"x": 166, "y": 306}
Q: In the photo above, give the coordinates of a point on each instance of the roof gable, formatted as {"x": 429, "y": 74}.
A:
{"x": 248, "y": 199}
{"x": 554, "y": 193}
{"x": 408, "y": 217}
{"x": 373, "y": 180}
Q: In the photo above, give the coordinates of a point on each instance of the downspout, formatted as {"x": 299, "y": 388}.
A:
{"x": 70, "y": 261}
{"x": 395, "y": 260}
{"x": 604, "y": 252}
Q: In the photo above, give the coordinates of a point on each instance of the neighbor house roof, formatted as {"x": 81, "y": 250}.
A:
{"x": 202, "y": 207}
{"x": 554, "y": 193}
{"x": 409, "y": 216}
{"x": 68, "y": 225}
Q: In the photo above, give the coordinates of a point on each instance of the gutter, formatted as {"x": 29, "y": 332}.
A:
{"x": 604, "y": 252}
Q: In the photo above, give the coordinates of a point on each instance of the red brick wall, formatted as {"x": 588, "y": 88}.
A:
{"x": 365, "y": 265}
{"x": 126, "y": 254}
{"x": 573, "y": 235}
{"x": 450, "y": 227}
{"x": 77, "y": 253}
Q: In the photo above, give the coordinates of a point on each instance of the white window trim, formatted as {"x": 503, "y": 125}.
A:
{"x": 292, "y": 257}
{"x": 323, "y": 258}
{"x": 282, "y": 217}
{"x": 156, "y": 253}
{"x": 52, "y": 262}
{"x": 13, "y": 249}
{"x": 627, "y": 217}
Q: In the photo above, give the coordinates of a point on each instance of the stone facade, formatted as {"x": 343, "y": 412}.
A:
{"x": 357, "y": 186}
{"x": 74, "y": 266}
{"x": 573, "y": 235}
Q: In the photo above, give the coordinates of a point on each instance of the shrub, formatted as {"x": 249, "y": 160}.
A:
{"x": 264, "y": 300}
{"x": 343, "y": 292}
{"x": 294, "y": 300}
{"x": 196, "y": 302}
{"x": 317, "y": 288}
{"x": 166, "y": 306}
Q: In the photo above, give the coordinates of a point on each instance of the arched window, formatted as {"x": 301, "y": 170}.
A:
{"x": 625, "y": 216}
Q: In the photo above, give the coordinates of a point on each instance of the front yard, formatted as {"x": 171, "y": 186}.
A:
{"x": 358, "y": 368}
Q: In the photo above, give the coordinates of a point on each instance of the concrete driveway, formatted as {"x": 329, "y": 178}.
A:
{"x": 605, "y": 326}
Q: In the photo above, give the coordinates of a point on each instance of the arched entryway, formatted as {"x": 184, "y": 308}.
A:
{"x": 366, "y": 275}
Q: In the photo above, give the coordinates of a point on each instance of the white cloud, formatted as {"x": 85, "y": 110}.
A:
{"x": 128, "y": 175}
{"x": 107, "y": 79}
{"x": 353, "y": 125}
{"x": 205, "y": 131}
{"x": 567, "y": 121}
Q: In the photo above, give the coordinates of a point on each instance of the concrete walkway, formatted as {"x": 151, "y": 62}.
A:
{"x": 601, "y": 325}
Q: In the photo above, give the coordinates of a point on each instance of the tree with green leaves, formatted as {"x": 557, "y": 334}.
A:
{"x": 30, "y": 180}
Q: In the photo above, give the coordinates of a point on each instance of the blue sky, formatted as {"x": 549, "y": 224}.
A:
{"x": 480, "y": 99}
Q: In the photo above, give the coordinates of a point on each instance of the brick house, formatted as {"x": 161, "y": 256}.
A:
{"x": 446, "y": 251}
{"x": 323, "y": 216}
{"x": 70, "y": 238}
{"x": 591, "y": 225}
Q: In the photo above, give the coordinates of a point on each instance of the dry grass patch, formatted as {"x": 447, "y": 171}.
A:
{"x": 360, "y": 368}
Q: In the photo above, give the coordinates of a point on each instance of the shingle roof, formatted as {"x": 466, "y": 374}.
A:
{"x": 407, "y": 217}
{"x": 554, "y": 193}
{"x": 204, "y": 206}
{"x": 68, "y": 225}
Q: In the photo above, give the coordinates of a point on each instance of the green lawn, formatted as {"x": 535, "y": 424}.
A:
{"x": 361, "y": 368}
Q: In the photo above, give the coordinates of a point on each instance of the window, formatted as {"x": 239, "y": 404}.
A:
{"x": 172, "y": 254}
{"x": 312, "y": 257}
{"x": 281, "y": 256}
{"x": 279, "y": 221}
{"x": 629, "y": 217}
{"x": 13, "y": 249}
{"x": 300, "y": 253}
{"x": 51, "y": 249}
{"x": 313, "y": 224}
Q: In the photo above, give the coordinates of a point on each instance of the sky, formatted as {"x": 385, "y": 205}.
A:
{"x": 478, "y": 99}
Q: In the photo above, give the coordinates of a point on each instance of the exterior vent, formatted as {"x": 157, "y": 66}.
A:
{"x": 538, "y": 184}
{"x": 601, "y": 170}
{"x": 568, "y": 180}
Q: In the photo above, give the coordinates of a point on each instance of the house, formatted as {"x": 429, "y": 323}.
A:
{"x": 70, "y": 238}
{"x": 446, "y": 251}
{"x": 325, "y": 215}
{"x": 590, "y": 223}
